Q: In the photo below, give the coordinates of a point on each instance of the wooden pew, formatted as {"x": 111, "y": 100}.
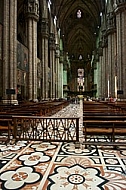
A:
{"x": 118, "y": 105}
{"x": 115, "y": 130}
{"x": 31, "y": 109}
{"x": 46, "y": 108}
{"x": 6, "y": 126}
{"x": 101, "y": 122}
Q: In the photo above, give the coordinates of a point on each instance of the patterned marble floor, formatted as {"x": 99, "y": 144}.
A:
{"x": 60, "y": 166}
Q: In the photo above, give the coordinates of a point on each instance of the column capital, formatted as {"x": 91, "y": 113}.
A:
{"x": 57, "y": 51}
{"x": 31, "y": 9}
{"x": 61, "y": 56}
{"x": 65, "y": 65}
{"x": 120, "y": 2}
{"x": 100, "y": 50}
{"x": 104, "y": 39}
{"x": 44, "y": 27}
{"x": 111, "y": 24}
{"x": 97, "y": 55}
{"x": 52, "y": 41}
{"x": 120, "y": 5}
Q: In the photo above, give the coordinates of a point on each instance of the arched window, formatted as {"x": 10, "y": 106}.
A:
{"x": 80, "y": 57}
{"x": 79, "y": 13}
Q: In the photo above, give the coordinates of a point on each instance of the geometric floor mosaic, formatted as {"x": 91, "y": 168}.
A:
{"x": 57, "y": 166}
{"x": 61, "y": 166}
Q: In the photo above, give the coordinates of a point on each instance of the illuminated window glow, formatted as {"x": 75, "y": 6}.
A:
{"x": 79, "y": 13}
{"x": 49, "y": 3}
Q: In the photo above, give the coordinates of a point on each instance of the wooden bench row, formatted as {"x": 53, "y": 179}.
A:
{"x": 99, "y": 107}
{"x": 33, "y": 109}
{"x": 118, "y": 105}
{"x": 6, "y": 127}
{"x": 113, "y": 129}
{"x": 102, "y": 122}
{"x": 37, "y": 109}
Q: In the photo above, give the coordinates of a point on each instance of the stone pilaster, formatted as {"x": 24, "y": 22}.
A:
{"x": 120, "y": 12}
{"x": 45, "y": 60}
{"x": 101, "y": 63}
{"x": 120, "y": 5}
{"x": 105, "y": 63}
{"x": 61, "y": 75}
{"x": 99, "y": 82}
{"x": 57, "y": 71}
{"x": 52, "y": 64}
{"x": 110, "y": 32}
{"x": 98, "y": 73}
{"x": 31, "y": 11}
{"x": 10, "y": 51}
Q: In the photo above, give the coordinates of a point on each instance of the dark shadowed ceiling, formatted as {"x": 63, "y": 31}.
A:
{"x": 79, "y": 34}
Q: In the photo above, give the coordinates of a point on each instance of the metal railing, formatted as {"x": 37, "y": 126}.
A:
{"x": 45, "y": 128}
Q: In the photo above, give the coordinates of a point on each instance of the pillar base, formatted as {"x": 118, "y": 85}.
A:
{"x": 35, "y": 100}
{"x": 10, "y": 102}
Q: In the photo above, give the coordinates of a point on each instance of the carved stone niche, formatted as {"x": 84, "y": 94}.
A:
{"x": 118, "y": 2}
{"x": 110, "y": 21}
{"x": 31, "y": 9}
{"x": 52, "y": 41}
{"x": 44, "y": 27}
{"x": 119, "y": 5}
{"x": 104, "y": 40}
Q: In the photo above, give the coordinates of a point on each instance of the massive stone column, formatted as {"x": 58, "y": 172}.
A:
{"x": 31, "y": 10}
{"x": 61, "y": 75}
{"x": 101, "y": 76}
{"x": 98, "y": 72}
{"x": 120, "y": 12}
{"x": 10, "y": 51}
{"x": 111, "y": 52}
{"x": 57, "y": 71}
{"x": 45, "y": 78}
{"x": 99, "y": 82}
{"x": 105, "y": 73}
{"x": 101, "y": 65}
{"x": 52, "y": 64}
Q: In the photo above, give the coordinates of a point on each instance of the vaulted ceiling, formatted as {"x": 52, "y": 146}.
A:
{"x": 78, "y": 34}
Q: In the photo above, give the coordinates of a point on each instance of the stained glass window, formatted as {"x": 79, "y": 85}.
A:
{"x": 79, "y": 13}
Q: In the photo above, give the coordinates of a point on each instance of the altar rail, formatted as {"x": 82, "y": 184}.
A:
{"x": 45, "y": 128}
